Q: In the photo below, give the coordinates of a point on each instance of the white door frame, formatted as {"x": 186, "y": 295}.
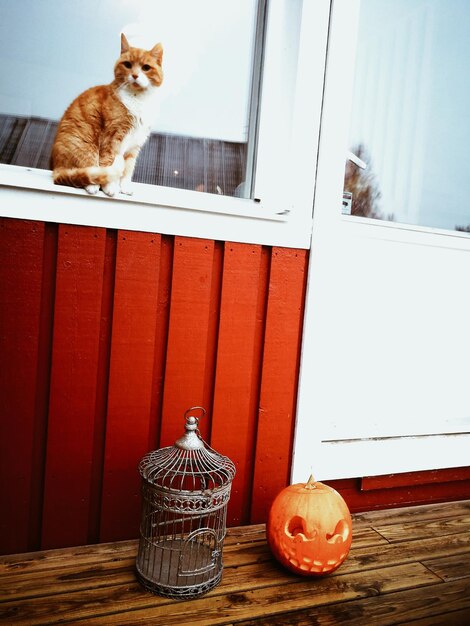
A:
{"x": 318, "y": 447}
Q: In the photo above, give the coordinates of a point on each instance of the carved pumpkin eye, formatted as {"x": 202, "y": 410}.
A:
{"x": 127, "y": 64}
{"x": 340, "y": 534}
{"x": 297, "y": 526}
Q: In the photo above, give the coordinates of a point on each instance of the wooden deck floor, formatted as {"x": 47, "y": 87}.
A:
{"x": 409, "y": 565}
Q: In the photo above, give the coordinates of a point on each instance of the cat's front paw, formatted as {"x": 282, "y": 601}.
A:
{"x": 92, "y": 189}
{"x": 126, "y": 188}
{"x": 111, "y": 189}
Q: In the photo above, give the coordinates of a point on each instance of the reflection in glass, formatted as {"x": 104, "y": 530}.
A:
{"x": 411, "y": 113}
{"x": 205, "y": 129}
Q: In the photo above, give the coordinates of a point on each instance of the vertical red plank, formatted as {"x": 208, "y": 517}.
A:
{"x": 235, "y": 410}
{"x": 21, "y": 268}
{"x": 161, "y": 338}
{"x": 131, "y": 390}
{"x": 192, "y": 334}
{"x": 279, "y": 379}
{"x": 75, "y": 352}
{"x": 101, "y": 405}
{"x": 43, "y": 379}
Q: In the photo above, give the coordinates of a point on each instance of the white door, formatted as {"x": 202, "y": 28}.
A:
{"x": 385, "y": 373}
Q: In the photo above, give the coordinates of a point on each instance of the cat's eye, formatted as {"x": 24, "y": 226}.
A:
{"x": 127, "y": 64}
{"x": 146, "y": 67}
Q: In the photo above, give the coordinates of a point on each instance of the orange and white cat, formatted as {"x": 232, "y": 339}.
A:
{"x": 100, "y": 134}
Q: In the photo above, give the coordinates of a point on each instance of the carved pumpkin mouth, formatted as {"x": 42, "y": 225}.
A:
{"x": 303, "y": 545}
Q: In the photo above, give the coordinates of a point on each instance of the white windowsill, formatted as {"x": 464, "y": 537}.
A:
{"x": 30, "y": 194}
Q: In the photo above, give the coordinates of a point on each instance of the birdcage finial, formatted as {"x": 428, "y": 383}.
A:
{"x": 191, "y": 439}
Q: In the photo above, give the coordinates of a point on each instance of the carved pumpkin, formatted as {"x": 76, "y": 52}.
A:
{"x": 309, "y": 528}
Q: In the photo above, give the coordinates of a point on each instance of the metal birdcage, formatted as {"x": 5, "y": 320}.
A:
{"x": 185, "y": 492}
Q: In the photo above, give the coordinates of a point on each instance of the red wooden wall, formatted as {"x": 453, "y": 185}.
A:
{"x": 107, "y": 337}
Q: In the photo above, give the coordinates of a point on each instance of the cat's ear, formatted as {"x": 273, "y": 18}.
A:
{"x": 157, "y": 53}
{"x": 124, "y": 44}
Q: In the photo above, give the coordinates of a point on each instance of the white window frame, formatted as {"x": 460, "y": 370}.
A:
{"x": 281, "y": 211}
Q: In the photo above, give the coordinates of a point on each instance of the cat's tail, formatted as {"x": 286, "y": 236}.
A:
{"x": 86, "y": 176}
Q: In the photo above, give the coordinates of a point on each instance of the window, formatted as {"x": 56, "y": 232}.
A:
{"x": 238, "y": 115}
{"x": 202, "y": 130}
{"x": 410, "y": 125}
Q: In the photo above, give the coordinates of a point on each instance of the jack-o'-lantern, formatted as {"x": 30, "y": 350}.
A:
{"x": 309, "y": 528}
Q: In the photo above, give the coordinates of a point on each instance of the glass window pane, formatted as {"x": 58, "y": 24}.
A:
{"x": 204, "y": 129}
{"x": 410, "y": 128}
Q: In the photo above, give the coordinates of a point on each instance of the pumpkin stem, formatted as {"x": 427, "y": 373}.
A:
{"x": 311, "y": 483}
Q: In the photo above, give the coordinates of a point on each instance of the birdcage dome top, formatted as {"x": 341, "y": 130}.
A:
{"x": 189, "y": 465}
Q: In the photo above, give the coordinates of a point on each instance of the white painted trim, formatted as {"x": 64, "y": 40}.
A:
{"x": 358, "y": 458}
{"x": 41, "y": 180}
{"x": 349, "y": 455}
{"x": 285, "y": 160}
{"x": 75, "y": 206}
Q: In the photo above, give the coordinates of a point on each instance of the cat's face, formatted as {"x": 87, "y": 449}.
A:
{"x": 139, "y": 69}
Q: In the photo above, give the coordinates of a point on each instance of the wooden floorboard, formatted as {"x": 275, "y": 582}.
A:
{"x": 400, "y": 607}
{"x": 410, "y": 513}
{"x": 405, "y": 566}
{"x": 421, "y": 530}
{"x": 453, "y": 567}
